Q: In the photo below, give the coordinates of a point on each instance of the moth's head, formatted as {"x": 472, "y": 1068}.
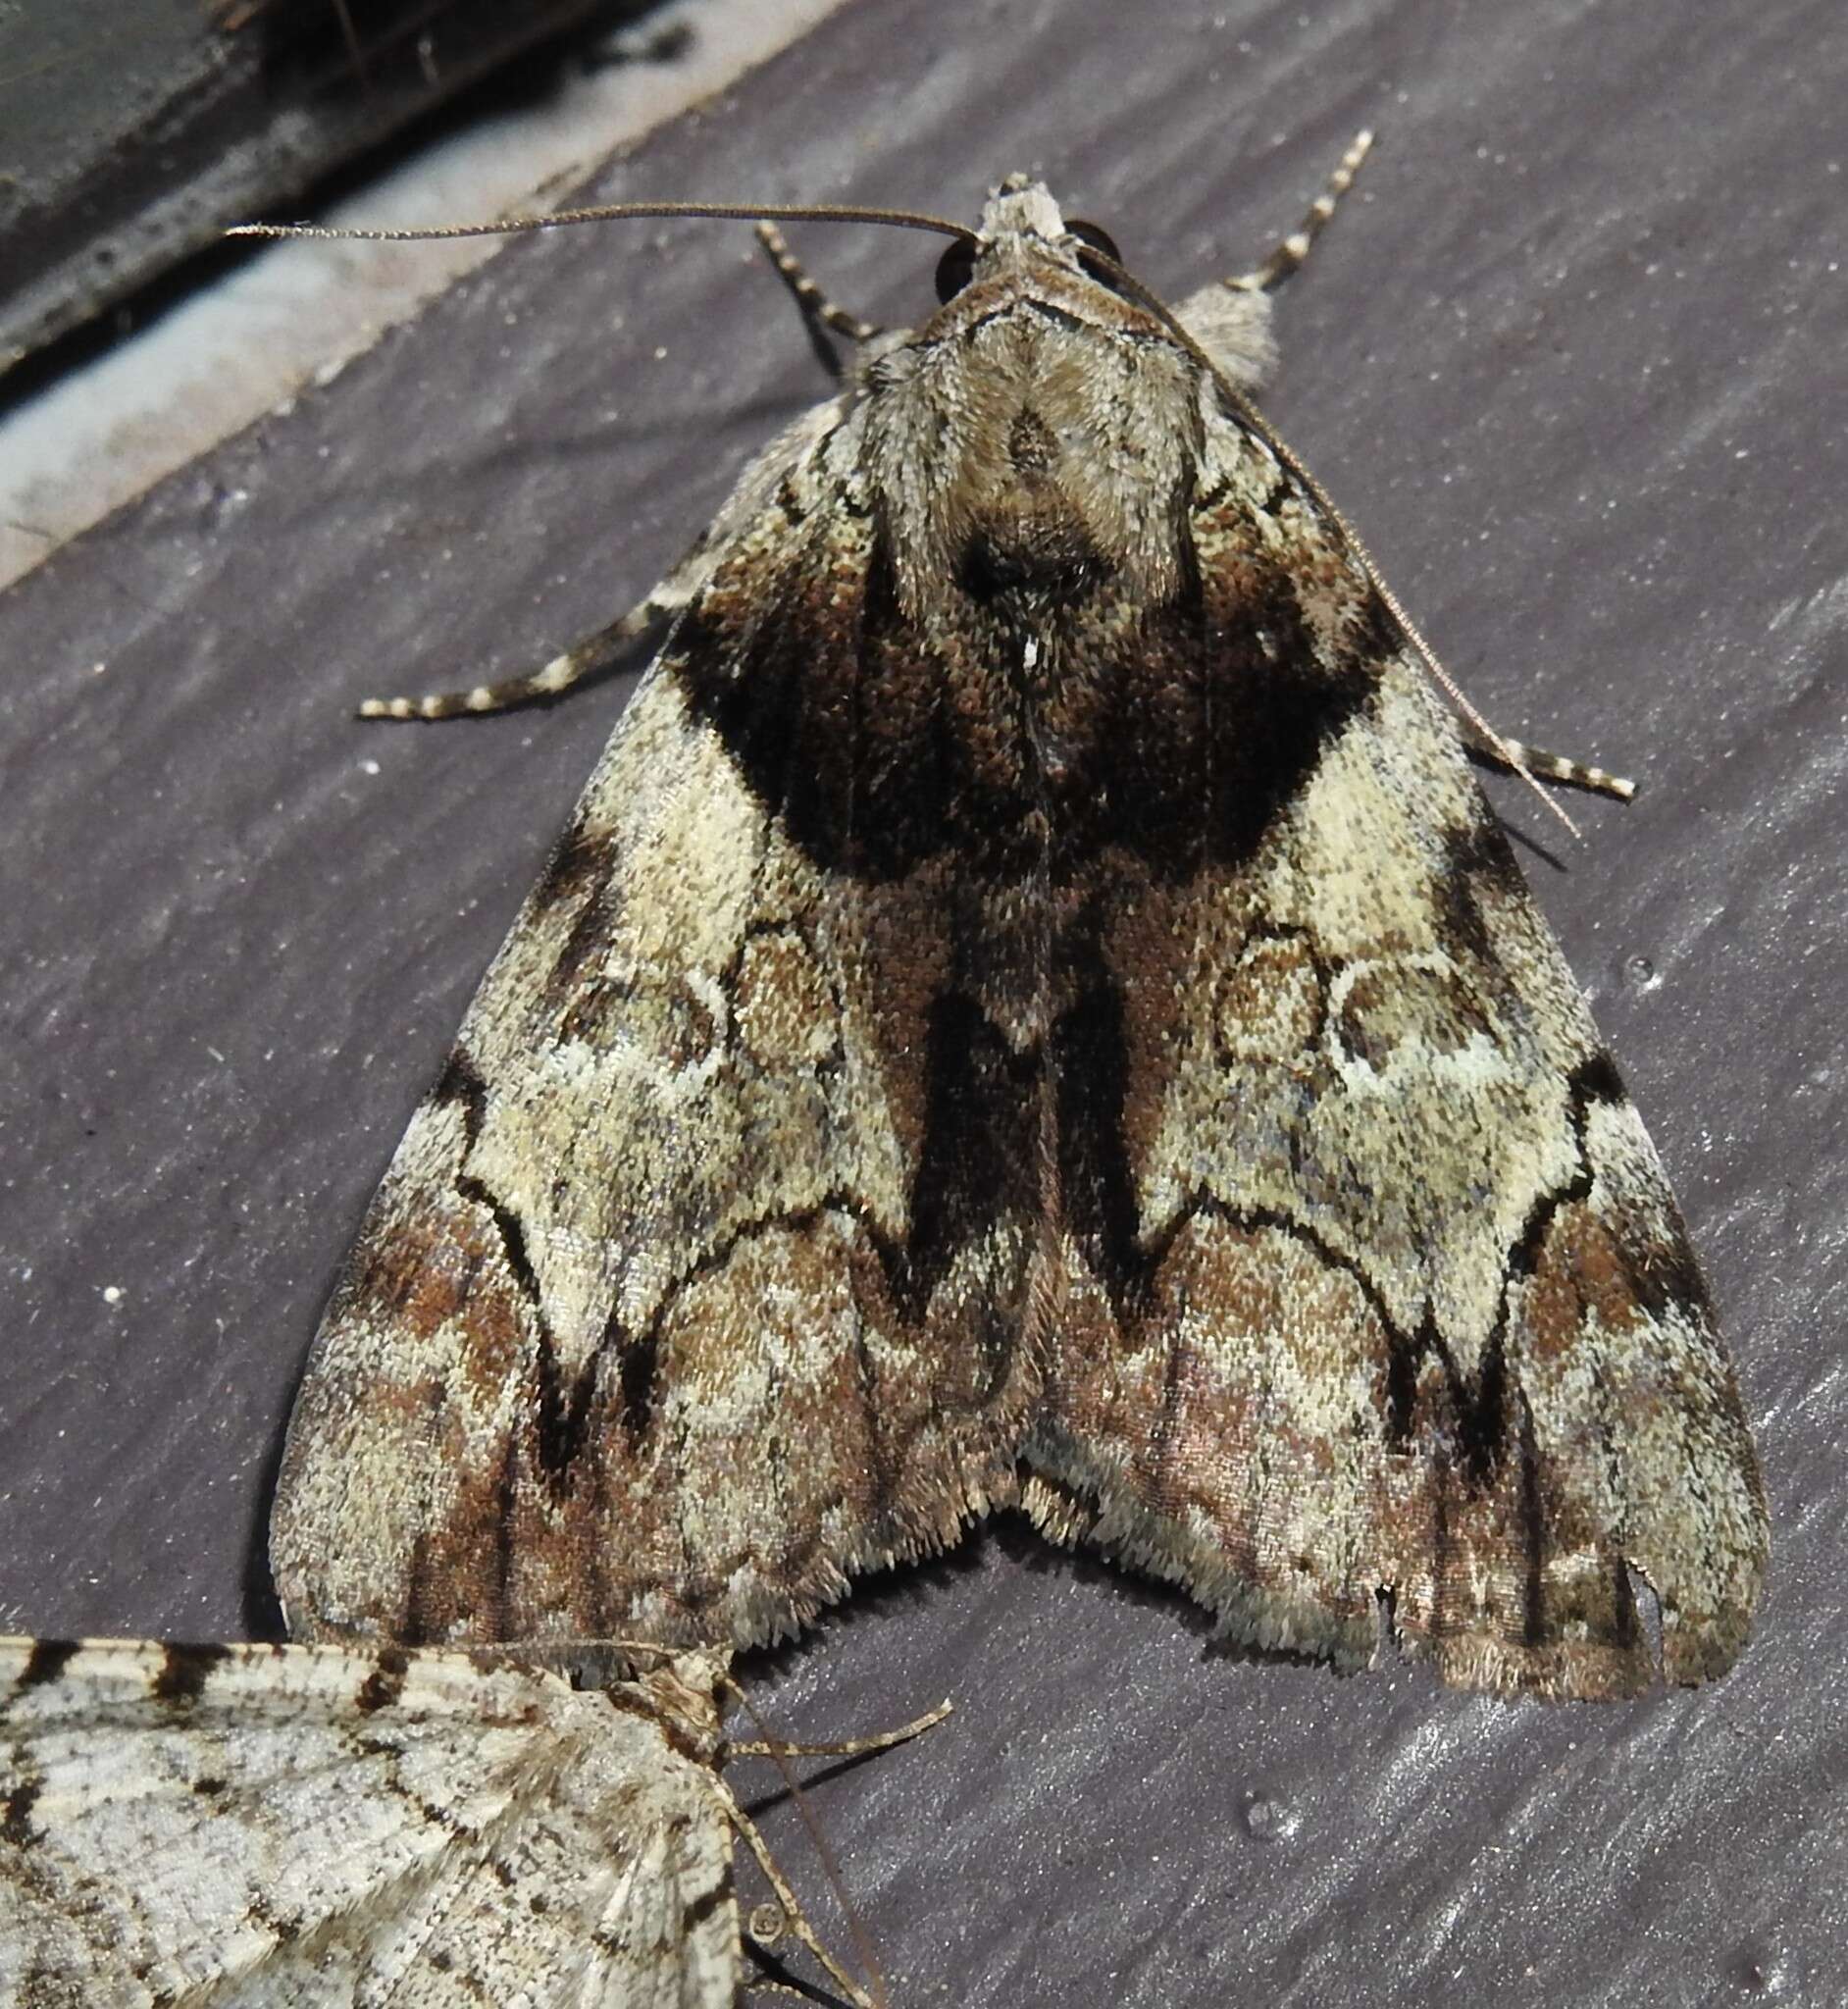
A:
{"x": 1022, "y": 226}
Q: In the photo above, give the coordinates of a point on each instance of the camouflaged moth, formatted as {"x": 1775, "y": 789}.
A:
{"x": 1033, "y": 1009}
{"x": 274, "y": 1826}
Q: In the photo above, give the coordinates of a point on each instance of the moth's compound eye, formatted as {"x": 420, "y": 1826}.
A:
{"x": 1091, "y": 238}
{"x": 955, "y": 267}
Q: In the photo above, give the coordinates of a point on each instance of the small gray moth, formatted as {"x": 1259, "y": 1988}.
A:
{"x": 281, "y": 1826}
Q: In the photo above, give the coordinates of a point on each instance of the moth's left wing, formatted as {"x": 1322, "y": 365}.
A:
{"x": 1393, "y": 1299}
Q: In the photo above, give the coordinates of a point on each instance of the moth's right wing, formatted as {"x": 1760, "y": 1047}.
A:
{"x": 668, "y": 1936}
{"x": 693, "y": 1287}
{"x": 1392, "y": 1299}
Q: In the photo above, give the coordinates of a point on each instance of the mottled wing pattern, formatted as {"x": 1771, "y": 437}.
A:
{"x": 268, "y": 1826}
{"x": 674, "y": 1310}
{"x": 1397, "y": 1299}
{"x": 1032, "y": 1005}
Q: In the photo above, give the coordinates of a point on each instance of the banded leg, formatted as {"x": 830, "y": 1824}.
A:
{"x": 1515, "y": 756}
{"x": 808, "y": 295}
{"x": 841, "y": 1747}
{"x": 673, "y": 591}
{"x": 763, "y": 1928}
{"x": 795, "y": 1919}
{"x": 1230, "y": 318}
{"x": 1295, "y": 248}
{"x": 596, "y": 652}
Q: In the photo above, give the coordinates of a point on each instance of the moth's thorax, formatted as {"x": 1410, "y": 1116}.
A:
{"x": 1004, "y": 428}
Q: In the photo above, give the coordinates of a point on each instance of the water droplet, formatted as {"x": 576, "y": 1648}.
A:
{"x": 1268, "y": 1818}
{"x": 217, "y": 503}
{"x": 1641, "y": 972}
{"x": 1758, "y": 1970}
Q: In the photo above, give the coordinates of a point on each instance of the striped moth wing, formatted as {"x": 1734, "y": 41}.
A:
{"x": 283, "y": 1827}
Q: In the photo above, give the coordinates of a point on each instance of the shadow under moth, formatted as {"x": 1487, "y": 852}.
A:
{"x": 273, "y": 1827}
{"x": 1033, "y": 1011}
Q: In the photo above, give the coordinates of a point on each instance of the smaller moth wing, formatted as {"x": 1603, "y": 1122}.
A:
{"x": 282, "y": 1827}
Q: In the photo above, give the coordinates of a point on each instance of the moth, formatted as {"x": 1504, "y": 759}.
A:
{"x": 300, "y": 1825}
{"x": 1033, "y": 1011}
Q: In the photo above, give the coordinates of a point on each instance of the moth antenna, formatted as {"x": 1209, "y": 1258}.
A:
{"x": 619, "y": 212}
{"x": 1503, "y": 750}
{"x": 1506, "y": 751}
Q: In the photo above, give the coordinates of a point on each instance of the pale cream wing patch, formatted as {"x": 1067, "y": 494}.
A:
{"x": 666, "y": 1940}
{"x": 276, "y": 1826}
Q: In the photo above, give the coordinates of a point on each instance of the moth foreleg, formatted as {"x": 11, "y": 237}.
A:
{"x": 754, "y": 492}
{"x": 808, "y": 295}
{"x": 792, "y": 1912}
{"x": 842, "y": 1747}
{"x": 584, "y": 659}
{"x": 1230, "y": 319}
{"x": 1513, "y": 756}
{"x": 1293, "y": 250}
